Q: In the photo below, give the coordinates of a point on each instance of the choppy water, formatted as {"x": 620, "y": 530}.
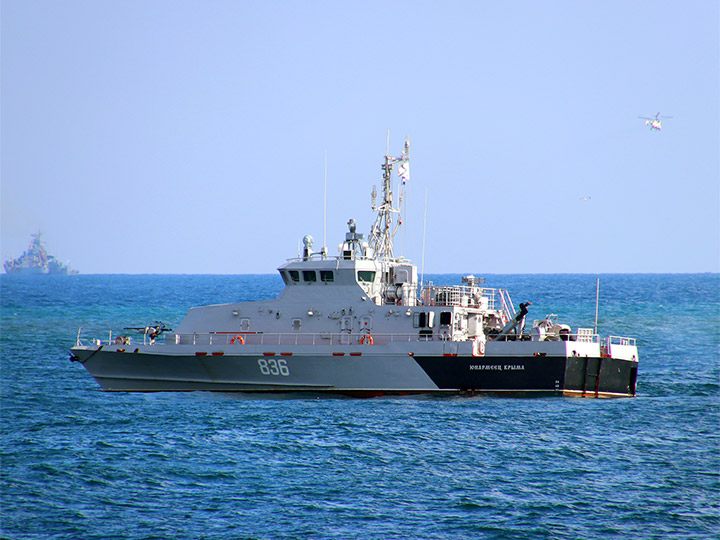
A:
{"x": 78, "y": 463}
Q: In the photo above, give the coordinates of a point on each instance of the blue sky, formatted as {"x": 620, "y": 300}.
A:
{"x": 190, "y": 136}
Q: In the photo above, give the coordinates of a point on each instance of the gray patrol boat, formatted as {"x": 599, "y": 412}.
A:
{"x": 361, "y": 324}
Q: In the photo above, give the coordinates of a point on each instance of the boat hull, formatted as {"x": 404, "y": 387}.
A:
{"x": 26, "y": 270}
{"x": 355, "y": 372}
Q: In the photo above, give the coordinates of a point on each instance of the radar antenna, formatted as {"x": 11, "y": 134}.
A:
{"x": 384, "y": 229}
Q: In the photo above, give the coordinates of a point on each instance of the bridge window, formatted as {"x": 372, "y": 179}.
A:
{"x": 366, "y": 276}
{"x": 327, "y": 276}
{"x": 310, "y": 276}
{"x": 294, "y": 275}
{"x": 445, "y": 318}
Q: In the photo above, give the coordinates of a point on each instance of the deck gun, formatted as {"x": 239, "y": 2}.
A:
{"x": 152, "y": 331}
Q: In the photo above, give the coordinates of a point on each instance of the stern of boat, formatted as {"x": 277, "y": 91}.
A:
{"x": 612, "y": 374}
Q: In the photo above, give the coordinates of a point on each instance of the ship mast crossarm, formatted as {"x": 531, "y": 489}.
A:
{"x": 384, "y": 229}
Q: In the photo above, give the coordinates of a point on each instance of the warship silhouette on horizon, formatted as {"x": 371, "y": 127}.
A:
{"x": 36, "y": 260}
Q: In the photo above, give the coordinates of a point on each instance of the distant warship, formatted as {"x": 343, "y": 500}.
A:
{"x": 35, "y": 260}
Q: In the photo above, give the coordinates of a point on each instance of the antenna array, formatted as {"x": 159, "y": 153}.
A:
{"x": 385, "y": 227}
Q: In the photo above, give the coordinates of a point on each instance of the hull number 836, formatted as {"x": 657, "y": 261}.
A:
{"x": 270, "y": 366}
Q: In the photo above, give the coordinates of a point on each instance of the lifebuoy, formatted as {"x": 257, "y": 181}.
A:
{"x": 239, "y": 338}
{"x": 367, "y": 337}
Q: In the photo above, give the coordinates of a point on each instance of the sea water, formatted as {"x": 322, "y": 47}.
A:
{"x": 78, "y": 463}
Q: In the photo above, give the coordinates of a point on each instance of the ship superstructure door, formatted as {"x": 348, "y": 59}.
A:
{"x": 366, "y": 323}
{"x": 475, "y": 325}
{"x": 346, "y": 330}
{"x": 446, "y": 321}
{"x": 405, "y": 285}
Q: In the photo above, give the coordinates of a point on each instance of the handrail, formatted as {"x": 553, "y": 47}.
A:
{"x": 507, "y": 305}
{"x": 319, "y": 256}
{"x": 620, "y": 340}
{"x": 319, "y": 339}
{"x": 468, "y": 296}
{"x": 296, "y": 338}
{"x": 262, "y": 338}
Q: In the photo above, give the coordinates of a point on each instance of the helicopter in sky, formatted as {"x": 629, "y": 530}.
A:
{"x": 654, "y": 123}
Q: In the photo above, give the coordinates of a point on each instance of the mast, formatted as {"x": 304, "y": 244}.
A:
{"x": 384, "y": 229}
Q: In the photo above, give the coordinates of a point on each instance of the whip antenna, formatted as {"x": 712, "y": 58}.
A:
{"x": 324, "y": 248}
{"x": 422, "y": 259}
{"x": 597, "y": 300}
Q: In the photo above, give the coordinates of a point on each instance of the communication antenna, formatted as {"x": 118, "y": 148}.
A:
{"x": 403, "y": 221}
{"x": 384, "y": 229}
{"x": 422, "y": 259}
{"x": 324, "y": 248}
{"x": 597, "y": 301}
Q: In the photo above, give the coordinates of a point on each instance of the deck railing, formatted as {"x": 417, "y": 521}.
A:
{"x": 315, "y": 339}
{"x": 469, "y": 296}
{"x": 618, "y": 340}
{"x": 237, "y": 339}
